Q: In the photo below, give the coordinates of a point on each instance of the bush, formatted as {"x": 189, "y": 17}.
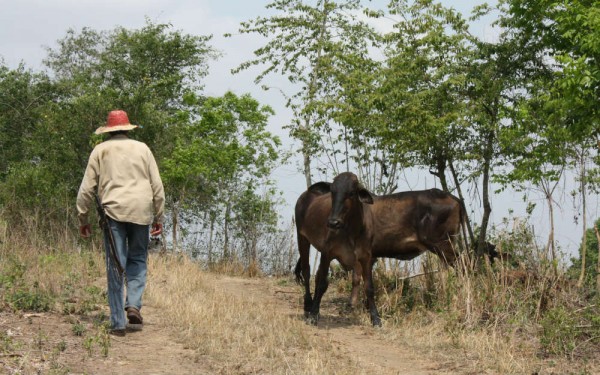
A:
{"x": 15, "y": 292}
{"x": 559, "y": 333}
{"x": 30, "y": 300}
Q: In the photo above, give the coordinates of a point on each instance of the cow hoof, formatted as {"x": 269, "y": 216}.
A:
{"x": 376, "y": 322}
{"x": 312, "y": 320}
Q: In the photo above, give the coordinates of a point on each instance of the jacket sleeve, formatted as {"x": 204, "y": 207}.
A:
{"x": 85, "y": 196}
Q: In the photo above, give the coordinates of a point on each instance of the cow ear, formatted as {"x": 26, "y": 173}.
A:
{"x": 320, "y": 187}
{"x": 365, "y": 196}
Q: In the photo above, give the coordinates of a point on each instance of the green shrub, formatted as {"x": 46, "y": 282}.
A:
{"x": 7, "y": 344}
{"x": 559, "y": 335}
{"x": 78, "y": 329}
{"x": 11, "y": 273}
{"x": 35, "y": 300}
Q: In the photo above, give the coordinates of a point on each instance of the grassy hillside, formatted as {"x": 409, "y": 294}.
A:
{"x": 492, "y": 319}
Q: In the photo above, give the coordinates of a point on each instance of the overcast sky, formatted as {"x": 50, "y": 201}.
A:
{"x": 28, "y": 26}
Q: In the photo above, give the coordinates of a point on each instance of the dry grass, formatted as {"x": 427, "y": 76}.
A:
{"x": 476, "y": 322}
{"x": 492, "y": 320}
{"x": 498, "y": 321}
{"x": 233, "y": 332}
{"x": 39, "y": 269}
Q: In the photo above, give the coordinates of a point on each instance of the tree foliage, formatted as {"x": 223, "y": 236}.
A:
{"x": 423, "y": 86}
{"x": 219, "y": 160}
{"x": 519, "y": 111}
{"x": 214, "y": 153}
{"x": 430, "y": 95}
{"x": 309, "y": 44}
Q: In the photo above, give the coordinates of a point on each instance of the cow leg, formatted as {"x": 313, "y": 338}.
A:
{"x": 446, "y": 251}
{"x": 303, "y": 272}
{"x": 356, "y": 275}
{"x": 373, "y": 261}
{"x": 321, "y": 284}
{"x": 367, "y": 267}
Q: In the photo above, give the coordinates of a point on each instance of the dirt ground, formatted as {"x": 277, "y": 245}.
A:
{"x": 376, "y": 356}
{"x": 45, "y": 343}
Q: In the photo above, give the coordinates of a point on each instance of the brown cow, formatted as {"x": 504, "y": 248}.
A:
{"x": 336, "y": 219}
{"x": 401, "y": 226}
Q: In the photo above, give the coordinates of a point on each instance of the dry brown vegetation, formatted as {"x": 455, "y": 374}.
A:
{"x": 235, "y": 330}
{"x": 484, "y": 319}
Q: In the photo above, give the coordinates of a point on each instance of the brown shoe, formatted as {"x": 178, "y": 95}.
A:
{"x": 136, "y": 322}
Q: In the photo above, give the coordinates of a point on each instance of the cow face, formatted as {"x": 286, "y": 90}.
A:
{"x": 346, "y": 197}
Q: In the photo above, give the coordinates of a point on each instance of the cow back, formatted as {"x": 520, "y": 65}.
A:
{"x": 409, "y": 223}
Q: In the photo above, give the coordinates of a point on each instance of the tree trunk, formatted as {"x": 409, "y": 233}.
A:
{"x": 441, "y": 173}
{"x": 584, "y": 209}
{"x": 312, "y": 88}
{"x": 175, "y": 226}
{"x": 487, "y": 207}
{"x": 307, "y": 167}
{"x": 551, "y": 248}
{"x": 598, "y": 262}
{"x": 210, "y": 241}
{"x": 226, "y": 254}
{"x": 462, "y": 201}
{"x": 292, "y": 250}
{"x": 584, "y": 239}
{"x": 253, "y": 247}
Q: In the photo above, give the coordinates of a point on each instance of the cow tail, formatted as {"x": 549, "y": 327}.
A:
{"x": 299, "y": 211}
{"x": 303, "y": 243}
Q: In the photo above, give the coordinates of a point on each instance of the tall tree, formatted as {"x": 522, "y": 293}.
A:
{"x": 305, "y": 41}
{"x": 146, "y": 72}
{"x": 537, "y": 146}
{"x": 27, "y": 180}
{"x": 567, "y": 34}
{"x": 23, "y": 95}
{"x": 218, "y": 162}
{"x": 423, "y": 84}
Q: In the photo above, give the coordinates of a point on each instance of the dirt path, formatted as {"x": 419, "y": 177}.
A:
{"x": 46, "y": 343}
{"x": 359, "y": 342}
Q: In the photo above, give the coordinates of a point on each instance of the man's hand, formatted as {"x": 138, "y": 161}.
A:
{"x": 156, "y": 229}
{"x": 85, "y": 230}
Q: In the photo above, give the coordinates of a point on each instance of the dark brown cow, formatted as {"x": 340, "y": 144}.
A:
{"x": 402, "y": 226}
{"x": 336, "y": 219}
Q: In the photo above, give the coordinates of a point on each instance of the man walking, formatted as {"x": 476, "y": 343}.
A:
{"x": 124, "y": 174}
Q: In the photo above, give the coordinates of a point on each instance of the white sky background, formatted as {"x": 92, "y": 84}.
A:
{"x": 27, "y": 26}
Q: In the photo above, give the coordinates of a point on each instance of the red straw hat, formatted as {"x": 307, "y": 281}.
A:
{"x": 117, "y": 120}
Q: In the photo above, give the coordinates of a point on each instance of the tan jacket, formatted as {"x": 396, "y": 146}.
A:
{"x": 126, "y": 175}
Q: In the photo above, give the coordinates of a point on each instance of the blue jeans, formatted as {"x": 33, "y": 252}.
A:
{"x": 131, "y": 242}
